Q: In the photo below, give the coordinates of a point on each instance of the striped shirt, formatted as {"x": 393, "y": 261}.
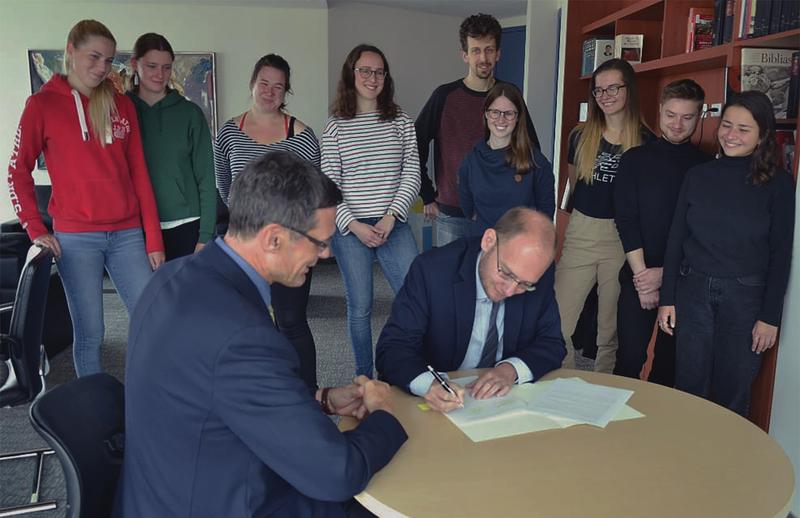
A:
{"x": 233, "y": 150}
{"x": 375, "y": 163}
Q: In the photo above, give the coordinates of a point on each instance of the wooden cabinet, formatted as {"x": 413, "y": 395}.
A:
{"x": 664, "y": 59}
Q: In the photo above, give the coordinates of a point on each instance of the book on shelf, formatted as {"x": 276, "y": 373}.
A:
{"x": 790, "y": 15}
{"x": 762, "y": 17}
{"x": 794, "y": 87}
{"x": 722, "y": 26}
{"x": 768, "y": 71}
{"x": 629, "y": 47}
{"x": 727, "y": 33}
{"x": 595, "y": 52}
{"x": 699, "y": 33}
{"x": 786, "y": 148}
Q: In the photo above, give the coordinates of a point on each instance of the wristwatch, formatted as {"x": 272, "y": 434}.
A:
{"x": 392, "y": 213}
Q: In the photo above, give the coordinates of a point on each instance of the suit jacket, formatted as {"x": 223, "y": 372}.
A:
{"x": 218, "y": 420}
{"x": 432, "y": 316}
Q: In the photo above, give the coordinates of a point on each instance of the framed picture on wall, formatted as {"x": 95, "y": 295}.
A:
{"x": 193, "y": 76}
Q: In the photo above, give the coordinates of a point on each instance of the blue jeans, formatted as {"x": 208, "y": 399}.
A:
{"x": 715, "y": 319}
{"x": 355, "y": 262}
{"x": 450, "y": 228}
{"x": 84, "y": 255}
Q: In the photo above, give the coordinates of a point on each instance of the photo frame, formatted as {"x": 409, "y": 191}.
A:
{"x": 193, "y": 76}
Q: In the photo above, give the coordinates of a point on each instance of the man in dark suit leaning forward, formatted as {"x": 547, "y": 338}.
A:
{"x": 480, "y": 302}
{"x": 218, "y": 420}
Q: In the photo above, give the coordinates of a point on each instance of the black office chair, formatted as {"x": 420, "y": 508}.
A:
{"x": 84, "y": 421}
{"x": 22, "y": 353}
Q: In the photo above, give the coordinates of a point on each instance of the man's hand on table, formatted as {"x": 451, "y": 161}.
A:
{"x": 441, "y": 400}
{"x": 494, "y": 382}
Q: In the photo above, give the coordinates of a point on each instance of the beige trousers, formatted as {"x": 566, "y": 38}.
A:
{"x": 592, "y": 254}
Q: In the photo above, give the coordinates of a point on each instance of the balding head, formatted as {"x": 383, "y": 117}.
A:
{"x": 537, "y": 228}
{"x": 522, "y": 243}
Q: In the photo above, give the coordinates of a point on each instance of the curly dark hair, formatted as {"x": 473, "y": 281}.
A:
{"x": 765, "y": 157}
{"x": 344, "y": 106}
{"x": 479, "y": 26}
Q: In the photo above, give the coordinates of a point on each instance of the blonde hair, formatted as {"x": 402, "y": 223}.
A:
{"x": 591, "y": 131}
{"x": 101, "y": 100}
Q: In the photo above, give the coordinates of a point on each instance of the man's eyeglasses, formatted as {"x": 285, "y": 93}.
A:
{"x": 612, "y": 90}
{"x": 508, "y": 276}
{"x": 322, "y": 245}
{"x": 509, "y": 115}
{"x": 366, "y": 72}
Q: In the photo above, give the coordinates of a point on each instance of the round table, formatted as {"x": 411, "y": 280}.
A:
{"x": 686, "y": 458}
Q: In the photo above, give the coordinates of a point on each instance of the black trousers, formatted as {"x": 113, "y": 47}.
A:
{"x": 715, "y": 318}
{"x": 181, "y": 240}
{"x": 290, "y": 308}
{"x": 634, "y": 330}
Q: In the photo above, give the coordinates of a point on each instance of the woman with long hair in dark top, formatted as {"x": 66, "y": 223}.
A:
{"x": 266, "y": 127}
{"x": 728, "y": 256}
{"x": 592, "y": 251}
{"x": 504, "y": 170}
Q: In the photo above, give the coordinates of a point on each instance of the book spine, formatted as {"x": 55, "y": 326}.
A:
{"x": 728, "y": 24}
{"x": 719, "y": 21}
{"x": 690, "y": 31}
{"x": 794, "y": 87}
{"x": 775, "y": 17}
{"x": 762, "y": 18}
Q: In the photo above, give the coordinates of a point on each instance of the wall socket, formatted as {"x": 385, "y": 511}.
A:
{"x": 716, "y": 110}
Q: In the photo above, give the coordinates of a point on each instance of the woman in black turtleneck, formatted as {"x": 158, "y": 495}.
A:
{"x": 728, "y": 255}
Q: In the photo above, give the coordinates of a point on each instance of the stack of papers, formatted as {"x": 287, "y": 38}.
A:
{"x": 544, "y": 405}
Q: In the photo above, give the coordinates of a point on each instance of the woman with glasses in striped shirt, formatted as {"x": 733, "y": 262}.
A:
{"x": 369, "y": 149}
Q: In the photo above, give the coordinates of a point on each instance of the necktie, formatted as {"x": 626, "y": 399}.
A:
{"x": 490, "y": 344}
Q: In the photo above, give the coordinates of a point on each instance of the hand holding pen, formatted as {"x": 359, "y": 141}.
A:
{"x": 444, "y": 396}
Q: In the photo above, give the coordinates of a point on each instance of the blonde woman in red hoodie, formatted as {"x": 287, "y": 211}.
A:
{"x": 102, "y": 200}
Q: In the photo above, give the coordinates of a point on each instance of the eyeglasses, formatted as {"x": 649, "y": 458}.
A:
{"x": 509, "y": 115}
{"x": 508, "y": 276}
{"x": 366, "y": 72}
{"x": 322, "y": 245}
{"x": 612, "y": 90}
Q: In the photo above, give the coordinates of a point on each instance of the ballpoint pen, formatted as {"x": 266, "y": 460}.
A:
{"x": 444, "y": 385}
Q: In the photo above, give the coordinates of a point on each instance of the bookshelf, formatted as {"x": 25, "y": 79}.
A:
{"x": 664, "y": 26}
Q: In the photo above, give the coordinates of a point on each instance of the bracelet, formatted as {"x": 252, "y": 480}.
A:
{"x": 323, "y": 401}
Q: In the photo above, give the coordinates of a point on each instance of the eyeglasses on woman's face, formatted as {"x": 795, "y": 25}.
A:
{"x": 367, "y": 72}
{"x": 611, "y": 90}
{"x": 508, "y": 115}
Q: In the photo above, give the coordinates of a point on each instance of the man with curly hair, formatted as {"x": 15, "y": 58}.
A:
{"x": 453, "y": 119}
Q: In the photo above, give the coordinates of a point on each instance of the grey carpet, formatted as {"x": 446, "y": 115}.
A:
{"x": 335, "y": 366}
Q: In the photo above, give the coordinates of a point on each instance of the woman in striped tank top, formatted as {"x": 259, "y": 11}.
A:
{"x": 369, "y": 149}
{"x": 266, "y": 127}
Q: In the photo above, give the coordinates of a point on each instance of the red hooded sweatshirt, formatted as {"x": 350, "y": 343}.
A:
{"x": 95, "y": 188}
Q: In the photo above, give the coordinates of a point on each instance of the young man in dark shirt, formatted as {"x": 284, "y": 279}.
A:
{"x": 646, "y": 189}
{"x": 453, "y": 119}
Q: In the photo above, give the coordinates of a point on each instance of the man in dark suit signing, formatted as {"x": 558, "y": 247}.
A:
{"x": 218, "y": 420}
{"x": 481, "y": 302}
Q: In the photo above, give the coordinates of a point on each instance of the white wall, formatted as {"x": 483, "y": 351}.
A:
{"x": 239, "y": 36}
{"x": 785, "y": 422}
{"x": 422, "y": 48}
{"x": 540, "y": 69}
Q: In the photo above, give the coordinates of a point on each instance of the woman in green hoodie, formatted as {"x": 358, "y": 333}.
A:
{"x": 177, "y": 147}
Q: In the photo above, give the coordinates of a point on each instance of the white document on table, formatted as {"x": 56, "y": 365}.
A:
{"x": 494, "y": 418}
{"x": 576, "y": 400}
